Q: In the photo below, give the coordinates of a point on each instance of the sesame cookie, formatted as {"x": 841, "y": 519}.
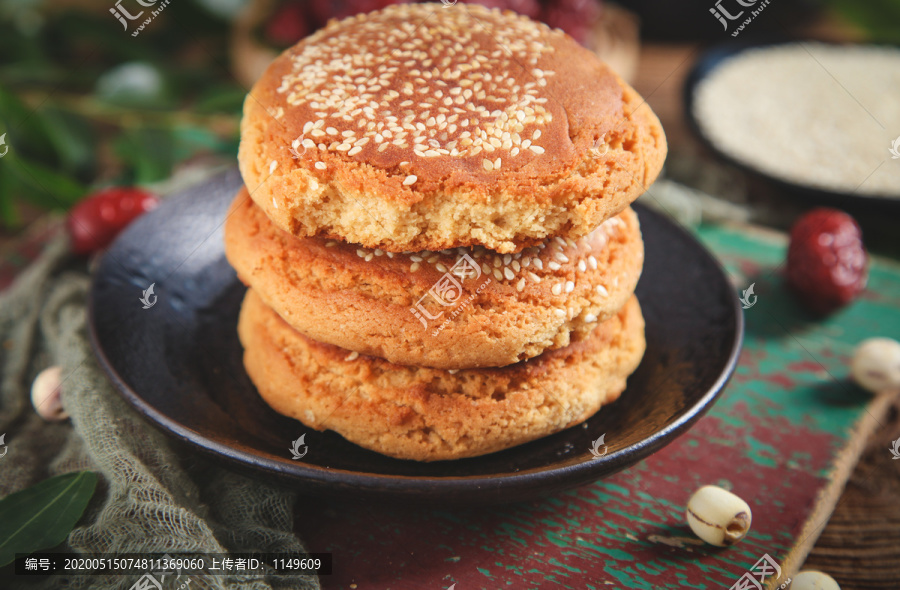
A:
{"x": 455, "y": 309}
{"x": 431, "y": 414}
{"x": 420, "y": 127}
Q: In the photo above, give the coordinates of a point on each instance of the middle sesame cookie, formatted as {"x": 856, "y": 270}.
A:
{"x": 453, "y": 309}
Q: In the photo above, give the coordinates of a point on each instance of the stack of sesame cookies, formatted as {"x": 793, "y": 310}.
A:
{"x": 436, "y": 230}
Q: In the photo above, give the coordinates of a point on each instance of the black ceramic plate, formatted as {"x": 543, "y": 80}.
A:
{"x": 706, "y": 64}
{"x": 179, "y": 363}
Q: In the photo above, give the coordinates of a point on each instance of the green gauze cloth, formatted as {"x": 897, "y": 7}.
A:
{"x": 149, "y": 499}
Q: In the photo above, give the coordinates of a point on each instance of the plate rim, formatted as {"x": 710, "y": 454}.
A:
{"x": 710, "y": 59}
{"x": 545, "y": 478}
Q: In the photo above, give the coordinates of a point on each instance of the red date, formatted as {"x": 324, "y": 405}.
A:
{"x": 95, "y": 222}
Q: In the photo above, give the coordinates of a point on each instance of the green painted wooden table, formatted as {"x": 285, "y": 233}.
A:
{"x": 784, "y": 435}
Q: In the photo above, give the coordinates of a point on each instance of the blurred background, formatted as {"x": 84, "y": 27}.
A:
{"x": 86, "y": 103}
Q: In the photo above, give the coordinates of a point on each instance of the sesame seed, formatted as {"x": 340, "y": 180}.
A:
{"x": 582, "y": 266}
{"x": 526, "y": 262}
{"x": 560, "y": 241}
{"x": 557, "y": 289}
{"x": 560, "y": 312}
{"x": 590, "y": 318}
{"x": 507, "y": 258}
{"x": 414, "y": 267}
{"x": 390, "y": 254}
{"x": 539, "y": 264}
{"x": 410, "y": 179}
{"x": 379, "y": 252}
{"x": 274, "y": 204}
{"x": 369, "y": 257}
{"x": 352, "y": 356}
{"x": 415, "y": 258}
{"x": 498, "y": 275}
{"x": 354, "y": 151}
{"x": 553, "y": 265}
{"x": 537, "y": 149}
{"x": 592, "y": 262}
{"x": 602, "y": 290}
{"x": 516, "y": 266}
{"x": 433, "y": 259}
{"x": 508, "y": 273}
{"x": 561, "y": 257}
{"x": 361, "y": 253}
{"x": 570, "y": 286}
{"x": 320, "y": 165}
{"x": 272, "y": 166}
{"x": 534, "y": 277}
{"x": 331, "y": 244}
{"x": 520, "y": 286}
{"x": 486, "y": 268}
{"x": 488, "y": 165}
{"x": 440, "y": 267}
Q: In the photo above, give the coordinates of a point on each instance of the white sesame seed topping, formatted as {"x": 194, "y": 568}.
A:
{"x": 538, "y": 264}
{"x": 410, "y": 179}
{"x": 557, "y": 289}
{"x": 272, "y": 166}
{"x": 553, "y": 265}
{"x": 560, "y": 312}
{"x": 498, "y": 275}
{"x": 520, "y": 286}
{"x": 534, "y": 277}
{"x": 369, "y": 257}
{"x": 440, "y": 267}
{"x": 508, "y": 273}
{"x": 414, "y": 267}
{"x": 592, "y": 262}
{"x": 602, "y": 290}
{"x": 582, "y": 267}
{"x": 561, "y": 257}
{"x": 352, "y": 356}
{"x": 413, "y": 85}
{"x": 590, "y": 318}
{"x": 570, "y": 286}
{"x": 320, "y": 165}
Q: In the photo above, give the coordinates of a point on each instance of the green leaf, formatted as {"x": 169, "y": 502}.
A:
{"x": 26, "y": 130}
{"x": 147, "y": 151}
{"x": 43, "y": 515}
{"x": 72, "y": 137}
{"x": 221, "y": 99}
{"x": 41, "y": 184}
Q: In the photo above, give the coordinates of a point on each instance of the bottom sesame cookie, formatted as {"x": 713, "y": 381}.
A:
{"x": 429, "y": 414}
{"x": 454, "y": 309}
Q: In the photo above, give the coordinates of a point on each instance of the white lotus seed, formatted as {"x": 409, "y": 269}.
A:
{"x": 45, "y": 395}
{"x": 813, "y": 580}
{"x": 717, "y": 516}
{"x": 876, "y": 365}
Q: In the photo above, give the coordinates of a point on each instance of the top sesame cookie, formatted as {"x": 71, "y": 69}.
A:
{"x": 424, "y": 127}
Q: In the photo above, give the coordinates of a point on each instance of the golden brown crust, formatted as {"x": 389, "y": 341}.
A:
{"x": 430, "y": 414}
{"x": 372, "y": 302}
{"x": 330, "y": 148}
